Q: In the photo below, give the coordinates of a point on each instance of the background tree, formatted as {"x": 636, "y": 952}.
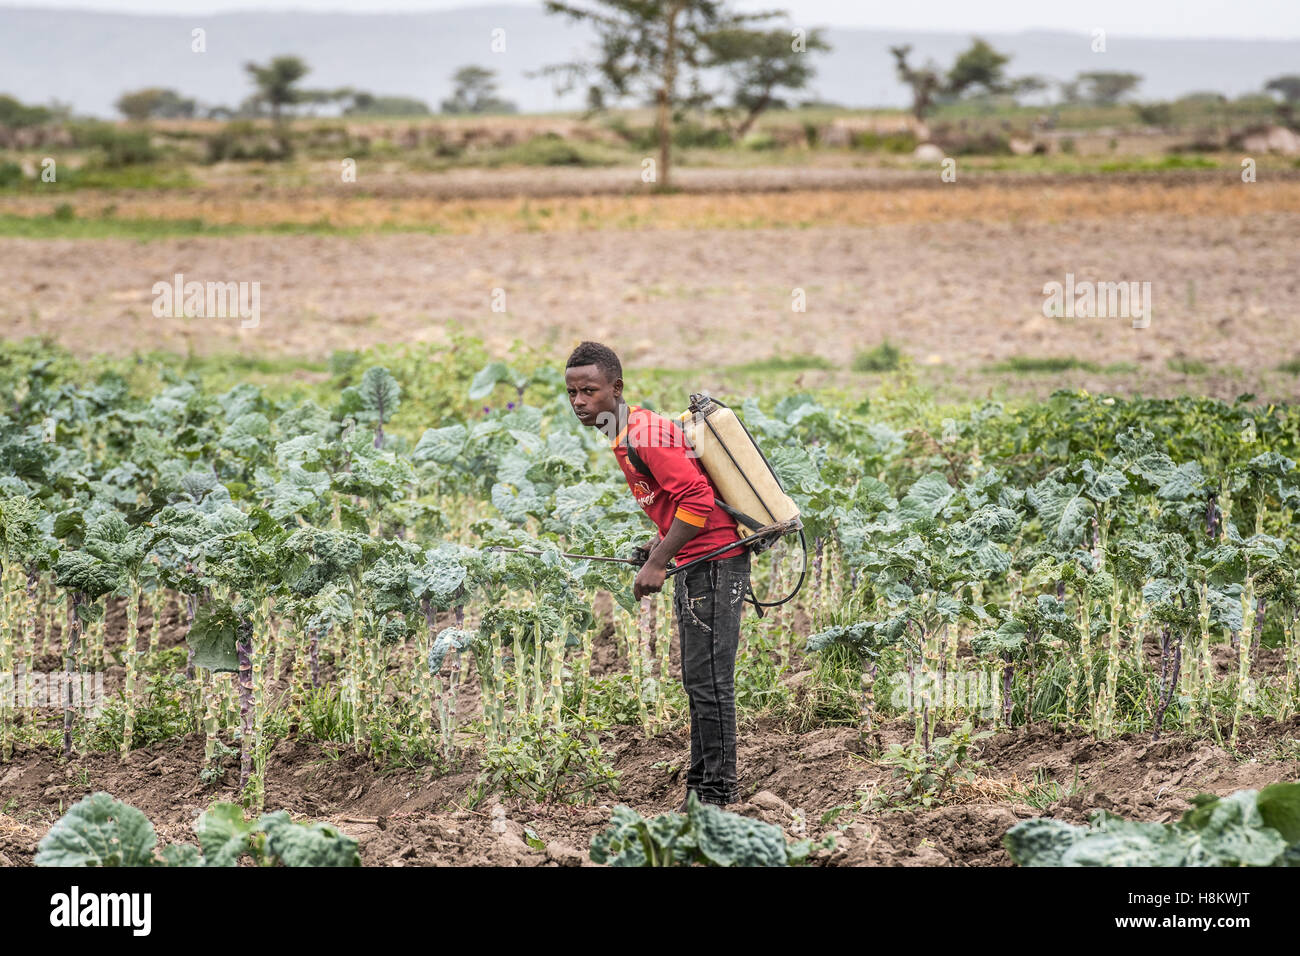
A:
{"x": 1106, "y": 88}
{"x": 981, "y": 65}
{"x": 1154, "y": 114}
{"x": 926, "y": 83}
{"x": 155, "y": 103}
{"x": 14, "y": 114}
{"x": 1070, "y": 91}
{"x": 368, "y": 104}
{"x": 759, "y": 64}
{"x": 655, "y": 50}
{"x": 1288, "y": 88}
{"x": 277, "y": 88}
{"x": 1027, "y": 85}
{"x": 475, "y": 91}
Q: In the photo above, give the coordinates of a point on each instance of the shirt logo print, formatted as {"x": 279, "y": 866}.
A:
{"x": 644, "y": 496}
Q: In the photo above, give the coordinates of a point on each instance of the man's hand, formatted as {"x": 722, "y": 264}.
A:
{"x": 649, "y": 580}
{"x": 642, "y": 552}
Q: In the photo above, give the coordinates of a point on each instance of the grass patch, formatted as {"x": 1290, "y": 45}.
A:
{"x": 1047, "y": 363}
{"x": 1186, "y": 366}
{"x": 883, "y": 358}
{"x": 149, "y": 176}
{"x": 63, "y": 223}
{"x": 783, "y": 363}
{"x": 1291, "y": 366}
{"x": 1144, "y": 164}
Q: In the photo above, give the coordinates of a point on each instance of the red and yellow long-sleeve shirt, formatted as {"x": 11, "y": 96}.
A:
{"x": 677, "y": 486}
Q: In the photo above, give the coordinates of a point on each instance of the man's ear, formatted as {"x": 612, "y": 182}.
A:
{"x": 618, "y": 388}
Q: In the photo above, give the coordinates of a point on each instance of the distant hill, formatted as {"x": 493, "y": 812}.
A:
{"x": 88, "y": 59}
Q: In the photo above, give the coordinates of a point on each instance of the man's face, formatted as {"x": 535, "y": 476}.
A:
{"x": 593, "y": 397}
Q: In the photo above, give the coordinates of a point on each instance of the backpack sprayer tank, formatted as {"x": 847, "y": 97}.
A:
{"x": 749, "y": 489}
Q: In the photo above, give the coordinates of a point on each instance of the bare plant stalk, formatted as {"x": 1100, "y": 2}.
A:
{"x": 663, "y": 641}
{"x": 157, "y": 601}
{"x": 1291, "y": 699}
{"x": 6, "y": 663}
{"x": 449, "y": 732}
{"x": 1085, "y": 655}
{"x": 1112, "y": 662}
{"x": 32, "y": 616}
{"x": 313, "y": 654}
{"x": 584, "y": 672}
{"x": 557, "y": 677}
{"x": 498, "y": 690}
{"x": 1173, "y": 653}
{"x": 262, "y": 637}
{"x": 641, "y": 647}
{"x": 244, "y": 651}
{"x": 131, "y": 657}
{"x": 59, "y": 615}
{"x": 71, "y": 648}
{"x": 1243, "y": 658}
{"x": 211, "y": 723}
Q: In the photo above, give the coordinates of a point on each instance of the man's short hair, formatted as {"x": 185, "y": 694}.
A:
{"x": 601, "y": 356}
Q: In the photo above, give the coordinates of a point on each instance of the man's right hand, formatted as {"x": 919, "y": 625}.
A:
{"x": 641, "y": 553}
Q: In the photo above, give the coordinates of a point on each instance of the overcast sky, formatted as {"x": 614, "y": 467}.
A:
{"x": 1186, "y": 18}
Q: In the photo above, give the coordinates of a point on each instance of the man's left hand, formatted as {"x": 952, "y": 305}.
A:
{"x": 649, "y": 580}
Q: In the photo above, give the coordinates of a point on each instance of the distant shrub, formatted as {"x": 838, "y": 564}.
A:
{"x": 11, "y": 174}
{"x": 1154, "y": 114}
{"x": 691, "y": 134}
{"x": 904, "y": 142}
{"x": 976, "y": 144}
{"x": 1186, "y": 366}
{"x": 242, "y": 141}
{"x": 1196, "y": 146}
{"x": 14, "y": 114}
{"x": 760, "y": 142}
{"x": 1048, "y": 363}
{"x": 883, "y": 358}
{"x": 638, "y": 137}
{"x": 548, "y": 150}
{"x": 785, "y": 363}
{"x": 117, "y": 147}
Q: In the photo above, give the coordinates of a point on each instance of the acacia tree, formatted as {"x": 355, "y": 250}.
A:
{"x": 760, "y": 63}
{"x": 925, "y": 82}
{"x": 981, "y": 65}
{"x": 657, "y": 49}
{"x": 1288, "y": 88}
{"x": 277, "y": 88}
{"x": 155, "y": 102}
{"x": 1105, "y": 88}
{"x": 475, "y": 91}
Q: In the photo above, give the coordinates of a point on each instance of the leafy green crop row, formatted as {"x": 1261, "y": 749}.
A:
{"x": 101, "y": 831}
{"x": 1088, "y": 556}
{"x": 1247, "y": 828}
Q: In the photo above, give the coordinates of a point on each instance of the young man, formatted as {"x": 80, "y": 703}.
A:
{"x": 708, "y": 598}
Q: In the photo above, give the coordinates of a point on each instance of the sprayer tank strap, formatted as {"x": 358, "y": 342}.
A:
{"x": 752, "y": 524}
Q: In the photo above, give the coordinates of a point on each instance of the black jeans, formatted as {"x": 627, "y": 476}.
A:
{"x": 708, "y": 600}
